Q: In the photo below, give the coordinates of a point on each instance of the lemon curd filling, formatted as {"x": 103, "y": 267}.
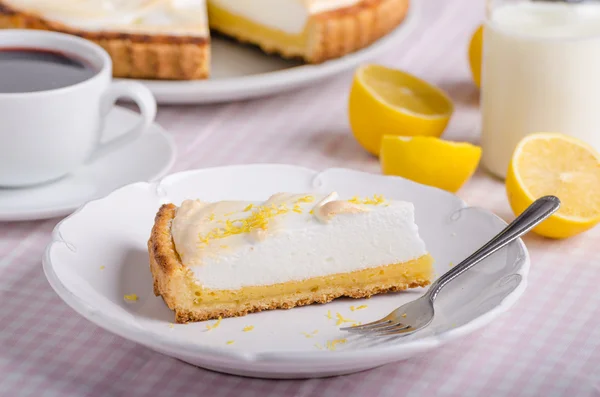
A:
{"x": 413, "y": 273}
{"x": 247, "y": 30}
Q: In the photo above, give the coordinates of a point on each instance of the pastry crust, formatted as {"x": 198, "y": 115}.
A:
{"x": 134, "y": 55}
{"x": 336, "y": 33}
{"x": 174, "y": 282}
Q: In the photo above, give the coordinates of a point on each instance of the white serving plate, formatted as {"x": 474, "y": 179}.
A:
{"x": 243, "y": 72}
{"x": 113, "y": 232}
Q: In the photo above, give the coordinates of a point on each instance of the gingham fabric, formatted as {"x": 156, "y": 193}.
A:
{"x": 548, "y": 344}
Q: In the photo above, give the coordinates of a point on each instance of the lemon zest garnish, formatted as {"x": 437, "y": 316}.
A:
{"x": 316, "y": 331}
{"x": 376, "y": 200}
{"x": 248, "y": 208}
{"x": 131, "y": 297}
{"x": 331, "y": 344}
{"x": 171, "y": 325}
{"x": 318, "y": 346}
{"x": 355, "y": 324}
{"x": 328, "y": 315}
{"x": 224, "y": 247}
{"x": 404, "y": 315}
{"x": 361, "y": 307}
{"x": 102, "y": 267}
{"x": 306, "y": 199}
{"x": 211, "y": 217}
{"x": 451, "y": 264}
{"x": 259, "y": 219}
{"x": 297, "y": 209}
{"x": 342, "y": 320}
{"x": 311, "y": 212}
{"x": 248, "y": 328}
{"x": 230, "y": 342}
{"x": 215, "y": 325}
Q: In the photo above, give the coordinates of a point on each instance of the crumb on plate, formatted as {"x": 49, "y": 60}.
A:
{"x": 342, "y": 320}
{"x": 332, "y": 343}
{"x": 215, "y": 324}
{"x": 131, "y": 297}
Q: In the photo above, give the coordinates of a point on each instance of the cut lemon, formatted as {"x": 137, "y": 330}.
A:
{"x": 559, "y": 165}
{"x": 386, "y": 101}
{"x": 430, "y": 161}
{"x": 475, "y": 51}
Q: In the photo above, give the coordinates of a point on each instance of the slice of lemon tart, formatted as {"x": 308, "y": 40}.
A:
{"x": 169, "y": 39}
{"x": 230, "y": 258}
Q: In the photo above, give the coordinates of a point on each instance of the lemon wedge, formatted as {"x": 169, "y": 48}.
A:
{"x": 475, "y": 51}
{"x": 430, "y": 161}
{"x": 386, "y": 101}
{"x": 556, "y": 164}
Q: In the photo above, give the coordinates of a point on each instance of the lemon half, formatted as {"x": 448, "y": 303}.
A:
{"x": 386, "y": 101}
{"x": 559, "y": 165}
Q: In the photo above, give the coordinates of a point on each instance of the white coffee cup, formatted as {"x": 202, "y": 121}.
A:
{"x": 45, "y": 135}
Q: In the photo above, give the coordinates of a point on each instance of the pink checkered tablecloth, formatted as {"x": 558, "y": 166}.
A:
{"x": 547, "y": 345}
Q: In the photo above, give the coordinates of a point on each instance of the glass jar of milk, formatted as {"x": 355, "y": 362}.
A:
{"x": 541, "y": 73}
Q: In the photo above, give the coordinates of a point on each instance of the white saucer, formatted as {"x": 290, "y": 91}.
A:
{"x": 243, "y": 72}
{"x": 148, "y": 158}
{"x": 92, "y": 270}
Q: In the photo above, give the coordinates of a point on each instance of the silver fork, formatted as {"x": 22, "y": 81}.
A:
{"x": 415, "y": 315}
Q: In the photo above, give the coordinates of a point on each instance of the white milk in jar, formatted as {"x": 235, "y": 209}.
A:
{"x": 541, "y": 73}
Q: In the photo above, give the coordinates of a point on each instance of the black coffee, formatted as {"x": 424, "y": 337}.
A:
{"x": 31, "y": 70}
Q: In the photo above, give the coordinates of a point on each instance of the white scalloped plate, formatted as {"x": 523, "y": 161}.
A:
{"x": 112, "y": 233}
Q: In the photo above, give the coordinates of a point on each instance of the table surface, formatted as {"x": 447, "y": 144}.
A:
{"x": 547, "y": 345}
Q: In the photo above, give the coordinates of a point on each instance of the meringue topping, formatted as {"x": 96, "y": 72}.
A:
{"x": 202, "y": 229}
{"x": 231, "y": 244}
{"x": 288, "y": 16}
{"x": 330, "y": 209}
{"x": 184, "y": 17}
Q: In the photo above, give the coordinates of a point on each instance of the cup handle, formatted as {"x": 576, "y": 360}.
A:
{"x": 144, "y": 99}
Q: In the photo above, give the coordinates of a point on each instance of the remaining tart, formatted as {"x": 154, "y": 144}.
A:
{"x": 230, "y": 258}
{"x": 149, "y": 39}
{"x": 169, "y": 39}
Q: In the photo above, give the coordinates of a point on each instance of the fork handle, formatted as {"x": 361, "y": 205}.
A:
{"x": 531, "y": 217}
